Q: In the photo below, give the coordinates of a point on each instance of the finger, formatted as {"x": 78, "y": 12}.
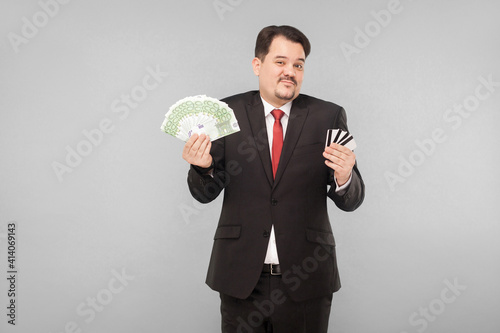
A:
{"x": 207, "y": 149}
{"x": 209, "y": 145}
{"x": 344, "y": 160}
{"x": 204, "y": 144}
{"x": 336, "y": 167}
{"x": 335, "y": 147}
{"x": 341, "y": 152}
{"x": 204, "y": 158}
{"x": 188, "y": 145}
{"x": 333, "y": 159}
{"x": 334, "y": 152}
{"x": 193, "y": 138}
{"x": 343, "y": 149}
{"x": 196, "y": 146}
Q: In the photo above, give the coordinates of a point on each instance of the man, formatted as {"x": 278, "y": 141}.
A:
{"x": 273, "y": 259}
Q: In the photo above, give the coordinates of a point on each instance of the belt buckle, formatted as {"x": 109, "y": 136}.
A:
{"x": 272, "y": 273}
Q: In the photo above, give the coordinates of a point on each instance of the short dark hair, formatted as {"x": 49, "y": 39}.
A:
{"x": 267, "y": 35}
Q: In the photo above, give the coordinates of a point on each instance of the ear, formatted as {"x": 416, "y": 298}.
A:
{"x": 256, "y": 65}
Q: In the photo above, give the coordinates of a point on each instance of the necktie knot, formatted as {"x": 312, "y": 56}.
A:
{"x": 277, "y": 114}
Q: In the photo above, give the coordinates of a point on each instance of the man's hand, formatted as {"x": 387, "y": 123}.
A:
{"x": 340, "y": 159}
{"x": 197, "y": 151}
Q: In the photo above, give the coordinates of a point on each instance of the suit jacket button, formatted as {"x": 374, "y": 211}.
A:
{"x": 265, "y": 234}
{"x": 274, "y": 202}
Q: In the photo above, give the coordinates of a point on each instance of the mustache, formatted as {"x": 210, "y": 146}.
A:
{"x": 288, "y": 78}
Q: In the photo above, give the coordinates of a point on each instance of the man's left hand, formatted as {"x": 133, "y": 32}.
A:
{"x": 340, "y": 159}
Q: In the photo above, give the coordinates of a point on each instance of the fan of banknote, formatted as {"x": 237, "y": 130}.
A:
{"x": 200, "y": 114}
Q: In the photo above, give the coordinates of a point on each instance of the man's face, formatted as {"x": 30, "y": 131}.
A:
{"x": 281, "y": 72}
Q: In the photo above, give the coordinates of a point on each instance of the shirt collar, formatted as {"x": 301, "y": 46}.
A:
{"x": 268, "y": 107}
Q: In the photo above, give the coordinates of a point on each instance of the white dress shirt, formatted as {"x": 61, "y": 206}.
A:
{"x": 272, "y": 250}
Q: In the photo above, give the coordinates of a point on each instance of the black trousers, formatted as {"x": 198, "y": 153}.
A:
{"x": 270, "y": 309}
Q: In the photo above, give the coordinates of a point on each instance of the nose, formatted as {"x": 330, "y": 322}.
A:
{"x": 289, "y": 70}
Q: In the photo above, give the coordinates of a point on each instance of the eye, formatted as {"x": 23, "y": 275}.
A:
{"x": 279, "y": 62}
{"x": 299, "y": 66}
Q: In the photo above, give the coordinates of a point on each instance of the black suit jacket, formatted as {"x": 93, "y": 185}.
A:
{"x": 295, "y": 202}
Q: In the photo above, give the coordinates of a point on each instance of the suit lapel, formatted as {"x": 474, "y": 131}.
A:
{"x": 298, "y": 115}
{"x": 255, "y": 113}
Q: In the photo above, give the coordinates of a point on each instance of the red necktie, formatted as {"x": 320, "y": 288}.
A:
{"x": 277, "y": 139}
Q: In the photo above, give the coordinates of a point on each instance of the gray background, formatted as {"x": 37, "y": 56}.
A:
{"x": 126, "y": 206}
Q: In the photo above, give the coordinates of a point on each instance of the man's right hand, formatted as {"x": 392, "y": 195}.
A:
{"x": 197, "y": 151}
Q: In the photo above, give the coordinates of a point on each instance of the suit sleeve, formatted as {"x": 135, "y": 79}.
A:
{"x": 203, "y": 186}
{"x": 352, "y": 197}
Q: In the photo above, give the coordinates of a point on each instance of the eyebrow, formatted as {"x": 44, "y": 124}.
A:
{"x": 283, "y": 57}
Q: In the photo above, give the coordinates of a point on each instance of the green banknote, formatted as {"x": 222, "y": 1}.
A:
{"x": 200, "y": 114}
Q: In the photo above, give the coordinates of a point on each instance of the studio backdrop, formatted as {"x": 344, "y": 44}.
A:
{"x": 98, "y": 231}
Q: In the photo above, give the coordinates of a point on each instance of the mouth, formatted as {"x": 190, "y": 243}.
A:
{"x": 288, "y": 81}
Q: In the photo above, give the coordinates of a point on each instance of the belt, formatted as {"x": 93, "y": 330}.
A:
{"x": 272, "y": 269}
